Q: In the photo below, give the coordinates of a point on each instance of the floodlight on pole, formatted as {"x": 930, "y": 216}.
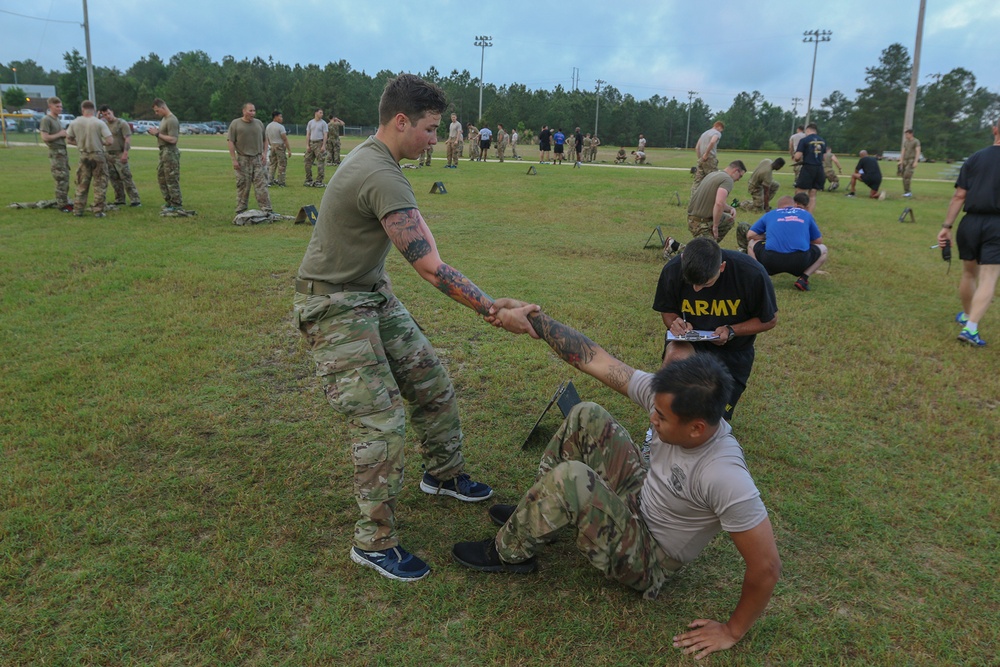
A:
{"x": 15, "y": 75}
{"x": 687, "y": 137}
{"x": 482, "y": 41}
{"x": 597, "y": 112}
{"x": 814, "y": 37}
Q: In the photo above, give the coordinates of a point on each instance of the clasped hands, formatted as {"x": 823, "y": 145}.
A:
{"x": 512, "y": 315}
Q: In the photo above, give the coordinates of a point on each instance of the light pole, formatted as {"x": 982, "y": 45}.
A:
{"x": 597, "y": 112}
{"x": 482, "y": 41}
{"x": 15, "y": 75}
{"x": 687, "y": 137}
{"x": 911, "y": 98}
{"x": 814, "y": 37}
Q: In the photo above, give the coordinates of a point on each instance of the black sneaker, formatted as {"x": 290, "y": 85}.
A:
{"x": 461, "y": 487}
{"x": 135, "y": 204}
{"x": 395, "y": 563}
{"x": 500, "y": 513}
{"x": 68, "y": 208}
{"x": 118, "y": 203}
{"x": 850, "y": 194}
{"x": 483, "y": 556}
{"x": 802, "y": 284}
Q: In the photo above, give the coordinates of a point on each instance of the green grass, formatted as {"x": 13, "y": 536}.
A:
{"x": 174, "y": 490}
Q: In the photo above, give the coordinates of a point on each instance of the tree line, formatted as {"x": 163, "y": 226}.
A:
{"x": 952, "y": 118}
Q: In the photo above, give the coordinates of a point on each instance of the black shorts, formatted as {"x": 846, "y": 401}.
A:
{"x": 873, "y": 183}
{"x": 559, "y": 149}
{"x": 545, "y": 147}
{"x": 484, "y": 144}
{"x": 794, "y": 263}
{"x": 978, "y": 238}
{"x": 811, "y": 177}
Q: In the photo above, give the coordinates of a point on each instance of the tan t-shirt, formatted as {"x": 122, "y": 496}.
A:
{"x": 762, "y": 176}
{"x": 910, "y": 147}
{"x": 248, "y": 138}
{"x": 50, "y": 125}
{"x": 703, "y": 200}
{"x": 275, "y": 133}
{"x": 348, "y": 244}
{"x": 88, "y": 132}
{"x": 120, "y": 131}
{"x": 169, "y": 126}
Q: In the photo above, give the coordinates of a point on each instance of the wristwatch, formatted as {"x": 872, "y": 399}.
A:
{"x": 732, "y": 334}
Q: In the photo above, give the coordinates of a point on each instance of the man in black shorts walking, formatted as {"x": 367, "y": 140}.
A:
{"x": 977, "y": 192}
{"x": 868, "y": 172}
{"x": 544, "y": 144}
{"x": 810, "y": 153}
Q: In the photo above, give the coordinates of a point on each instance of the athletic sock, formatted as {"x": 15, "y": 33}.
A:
{"x": 972, "y": 327}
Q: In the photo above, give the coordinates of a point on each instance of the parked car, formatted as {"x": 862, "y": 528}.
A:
{"x": 11, "y": 124}
{"x": 65, "y": 119}
{"x": 218, "y": 126}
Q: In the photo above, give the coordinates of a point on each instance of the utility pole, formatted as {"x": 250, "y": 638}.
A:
{"x": 687, "y": 137}
{"x": 814, "y": 37}
{"x": 911, "y": 98}
{"x": 482, "y": 41}
{"x": 597, "y": 113}
{"x": 90, "y": 61}
{"x": 795, "y": 111}
{"x": 576, "y": 79}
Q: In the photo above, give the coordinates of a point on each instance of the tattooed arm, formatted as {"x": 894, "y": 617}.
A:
{"x": 412, "y": 237}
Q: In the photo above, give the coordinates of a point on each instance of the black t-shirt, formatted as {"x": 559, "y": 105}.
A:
{"x": 742, "y": 292}
{"x": 579, "y": 141}
{"x": 869, "y": 169}
{"x": 812, "y": 148}
{"x": 980, "y": 177}
{"x": 544, "y": 135}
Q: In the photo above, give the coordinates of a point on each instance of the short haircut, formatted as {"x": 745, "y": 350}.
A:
{"x": 54, "y": 100}
{"x": 738, "y": 164}
{"x": 812, "y": 126}
{"x": 276, "y": 113}
{"x": 248, "y": 104}
{"x": 87, "y": 104}
{"x": 700, "y": 384}
{"x": 800, "y": 129}
{"x": 801, "y": 198}
{"x": 103, "y": 108}
{"x": 411, "y": 96}
{"x": 719, "y": 124}
{"x": 778, "y": 163}
{"x": 786, "y": 201}
{"x": 159, "y": 103}
{"x": 700, "y": 260}
{"x": 909, "y": 130}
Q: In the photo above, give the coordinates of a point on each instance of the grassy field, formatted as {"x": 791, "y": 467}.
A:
{"x": 174, "y": 490}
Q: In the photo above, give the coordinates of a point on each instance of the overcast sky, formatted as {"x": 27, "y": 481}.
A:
{"x": 645, "y": 48}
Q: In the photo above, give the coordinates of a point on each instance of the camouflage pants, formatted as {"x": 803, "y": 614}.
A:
{"x": 59, "y": 166}
{"x": 425, "y": 157}
{"x": 371, "y": 356}
{"x": 277, "y": 163}
{"x": 758, "y": 197}
{"x": 251, "y": 172}
{"x": 703, "y": 227}
{"x": 589, "y": 478}
{"x": 461, "y": 149}
{"x": 473, "y": 150}
{"x": 513, "y": 151}
{"x": 168, "y": 175}
{"x": 335, "y": 153}
{"x": 907, "y": 173}
{"x": 704, "y": 168}
{"x": 120, "y": 175}
{"x": 93, "y": 169}
{"x": 831, "y": 175}
{"x": 315, "y": 154}
{"x": 501, "y": 149}
{"x": 452, "y": 153}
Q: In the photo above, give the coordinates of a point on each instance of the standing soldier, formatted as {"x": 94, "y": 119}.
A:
{"x": 425, "y": 157}
{"x": 277, "y": 139}
{"x": 594, "y": 143}
{"x": 454, "y": 139}
{"x": 829, "y": 159}
{"x": 247, "y": 146}
{"x": 90, "y": 135}
{"x": 908, "y": 159}
{"x": 706, "y": 151}
{"x": 54, "y": 137}
{"x": 472, "y": 136}
{"x": 502, "y": 139}
{"x": 118, "y": 170}
{"x": 513, "y": 144}
{"x": 168, "y": 172}
{"x": 587, "y": 143}
{"x": 335, "y": 129}
{"x": 793, "y": 143}
{"x": 316, "y": 133}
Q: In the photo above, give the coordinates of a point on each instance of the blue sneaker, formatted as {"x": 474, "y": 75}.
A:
{"x": 395, "y": 563}
{"x": 962, "y": 318}
{"x": 967, "y": 336}
{"x": 460, "y": 487}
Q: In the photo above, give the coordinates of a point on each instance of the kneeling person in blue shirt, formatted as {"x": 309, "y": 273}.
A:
{"x": 787, "y": 240}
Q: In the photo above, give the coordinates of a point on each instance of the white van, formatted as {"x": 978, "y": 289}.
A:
{"x": 65, "y": 119}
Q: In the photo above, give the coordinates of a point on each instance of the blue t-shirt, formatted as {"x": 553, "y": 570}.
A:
{"x": 560, "y": 138}
{"x": 485, "y": 134}
{"x": 787, "y": 229}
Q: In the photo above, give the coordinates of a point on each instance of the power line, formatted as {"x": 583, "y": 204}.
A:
{"x": 38, "y": 18}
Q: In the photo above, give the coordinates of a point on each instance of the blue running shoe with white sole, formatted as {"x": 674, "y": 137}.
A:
{"x": 461, "y": 487}
{"x": 970, "y": 338}
{"x": 395, "y": 563}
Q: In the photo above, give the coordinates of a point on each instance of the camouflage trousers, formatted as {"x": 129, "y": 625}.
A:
{"x": 59, "y": 166}
{"x": 461, "y": 149}
{"x": 93, "y": 169}
{"x": 168, "y": 175}
{"x": 513, "y": 151}
{"x": 314, "y": 154}
{"x": 831, "y": 175}
{"x": 589, "y": 478}
{"x": 371, "y": 356}
{"x": 758, "y": 197}
{"x": 452, "y": 153}
{"x": 501, "y": 149}
{"x": 251, "y": 172}
{"x": 335, "y": 153}
{"x": 704, "y": 168}
{"x": 473, "y": 150}
{"x": 277, "y": 164}
{"x": 703, "y": 227}
{"x": 425, "y": 157}
{"x": 906, "y": 171}
{"x": 120, "y": 175}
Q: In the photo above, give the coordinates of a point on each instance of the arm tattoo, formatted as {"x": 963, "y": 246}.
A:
{"x": 618, "y": 376}
{"x": 571, "y": 345}
{"x": 405, "y": 230}
{"x": 461, "y": 289}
